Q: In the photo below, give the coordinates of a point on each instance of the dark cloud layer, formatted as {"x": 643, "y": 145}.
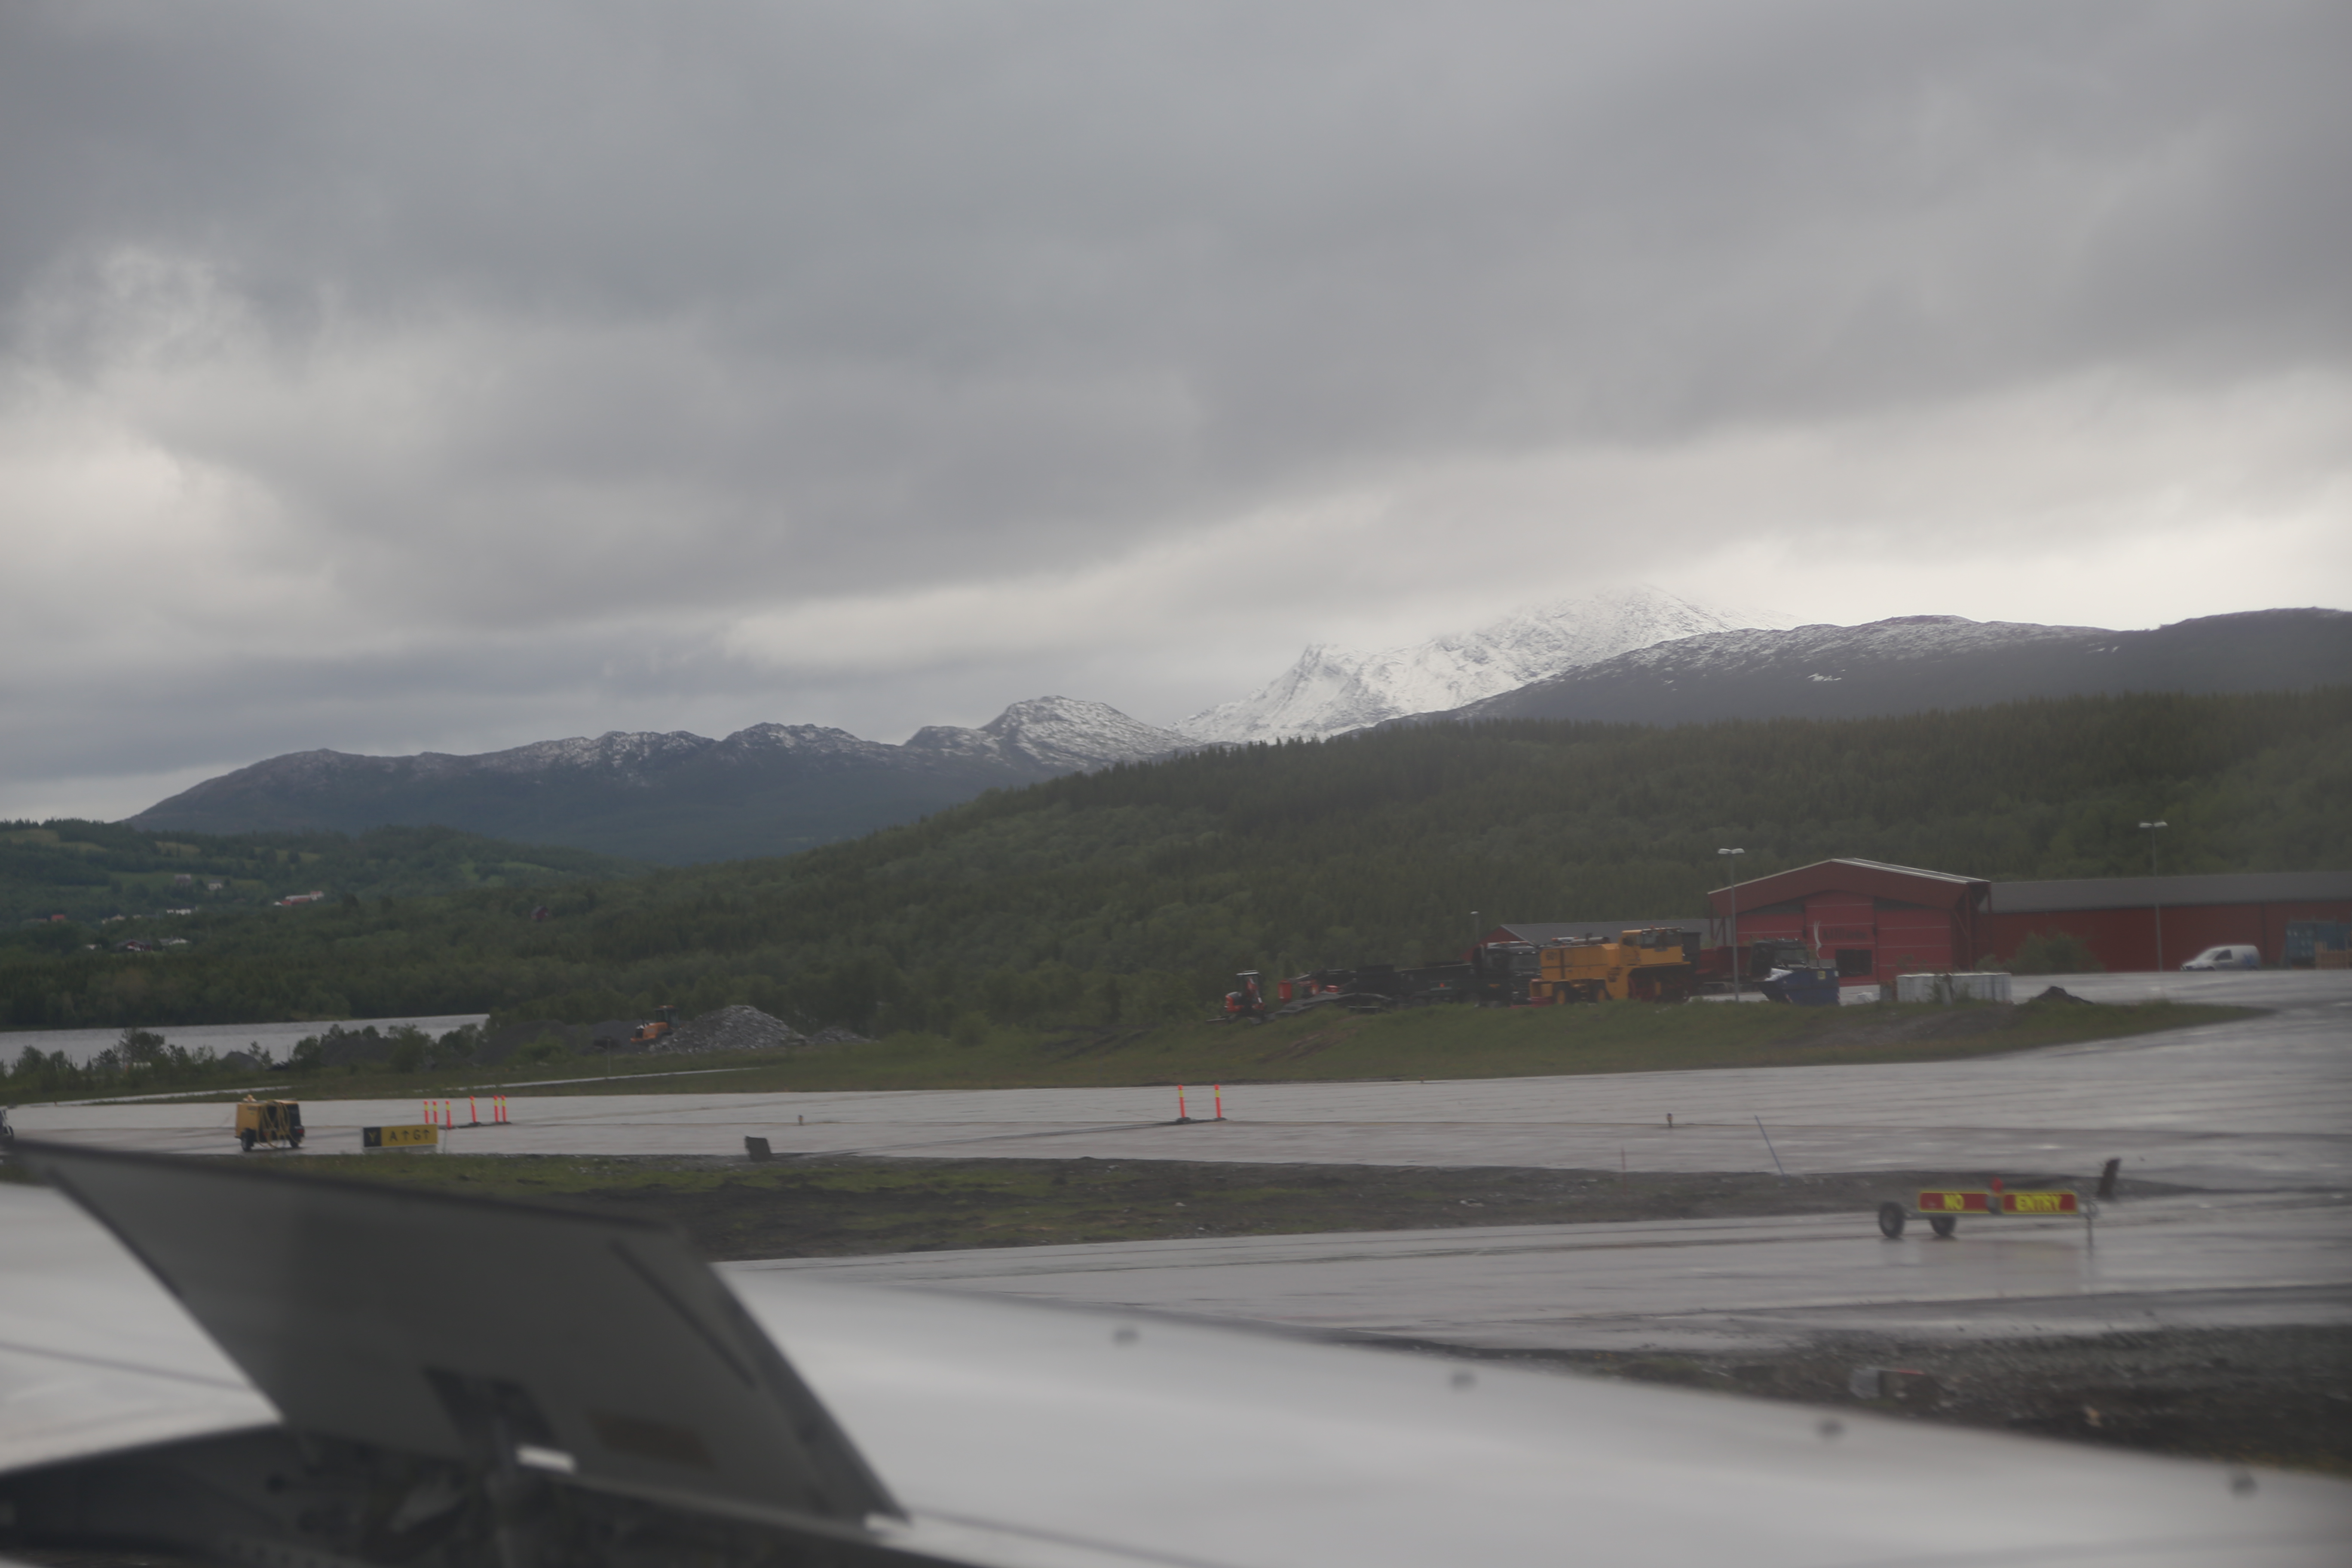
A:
{"x": 512, "y": 364}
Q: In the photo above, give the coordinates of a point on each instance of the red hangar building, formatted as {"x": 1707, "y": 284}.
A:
{"x": 1875, "y": 922}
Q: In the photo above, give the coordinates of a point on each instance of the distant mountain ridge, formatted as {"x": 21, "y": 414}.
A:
{"x": 770, "y": 789}
{"x": 1912, "y": 663}
{"x": 773, "y": 789}
{"x": 1331, "y": 691}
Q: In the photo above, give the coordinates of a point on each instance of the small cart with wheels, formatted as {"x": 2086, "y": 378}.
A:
{"x": 1943, "y": 1207}
{"x": 275, "y": 1122}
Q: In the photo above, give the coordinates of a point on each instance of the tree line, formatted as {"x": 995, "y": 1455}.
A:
{"x": 1131, "y": 895}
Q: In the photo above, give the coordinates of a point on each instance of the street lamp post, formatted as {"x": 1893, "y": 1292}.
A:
{"x": 1732, "y": 868}
{"x": 2156, "y": 901}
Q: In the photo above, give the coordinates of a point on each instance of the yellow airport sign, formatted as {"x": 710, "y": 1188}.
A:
{"x": 416, "y": 1135}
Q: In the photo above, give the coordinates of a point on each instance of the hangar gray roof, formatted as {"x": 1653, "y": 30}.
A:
{"x": 1542, "y": 931}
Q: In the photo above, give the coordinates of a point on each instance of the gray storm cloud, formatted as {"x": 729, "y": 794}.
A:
{"x": 393, "y": 376}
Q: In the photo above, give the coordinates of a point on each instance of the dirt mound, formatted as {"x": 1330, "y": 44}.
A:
{"x": 735, "y": 1029}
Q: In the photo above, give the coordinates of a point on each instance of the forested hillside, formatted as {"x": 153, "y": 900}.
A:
{"x": 89, "y": 871}
{"x": 1133, "y": 893}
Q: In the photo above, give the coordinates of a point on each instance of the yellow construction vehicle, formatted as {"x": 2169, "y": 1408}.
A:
{"x": 270, "y": 1121}
{"x": 664, "y": 1021}
{"x": 1652, "y": 965}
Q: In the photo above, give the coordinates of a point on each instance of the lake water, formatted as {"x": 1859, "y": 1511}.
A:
{"x": 81, "y": 1044}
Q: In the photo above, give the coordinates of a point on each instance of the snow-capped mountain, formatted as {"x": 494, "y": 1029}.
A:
{"x": 1913, "y": 663}
{"x": 765, "y": 790}
{"x": 1055, "y": 734}
{"x": 1331, "y": 691}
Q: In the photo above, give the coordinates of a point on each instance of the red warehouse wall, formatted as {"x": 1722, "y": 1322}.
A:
{"x": 2125, "y": 939}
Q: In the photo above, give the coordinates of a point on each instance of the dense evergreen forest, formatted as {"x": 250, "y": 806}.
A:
{"x": 89, "y": 871}
{"x": 1132, "y": 894}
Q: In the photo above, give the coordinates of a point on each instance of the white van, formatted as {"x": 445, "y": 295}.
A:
{"x": 2236, "y": 956}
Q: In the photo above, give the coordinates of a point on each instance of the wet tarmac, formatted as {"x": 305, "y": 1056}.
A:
{"x": 2229, "y": 1260}
{"x": 2257, "y": 1104}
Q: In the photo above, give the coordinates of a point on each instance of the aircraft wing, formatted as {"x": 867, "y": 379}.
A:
{"x": 94, "y": 1355}
{"x": 1179, "y": 1441}
{"x": 485, "y": 1383}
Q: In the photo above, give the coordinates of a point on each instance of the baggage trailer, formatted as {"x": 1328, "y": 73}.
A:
{"x": 1943, "y": 1208}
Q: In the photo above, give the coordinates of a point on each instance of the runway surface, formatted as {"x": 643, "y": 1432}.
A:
{"x": 2230, "y": 1260}
{"x": 2258, "y": 1104}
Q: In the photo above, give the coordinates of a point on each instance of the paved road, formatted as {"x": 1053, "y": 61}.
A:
{"x": 2227, "y": 1260}
{"x": 2258, "y": 1104}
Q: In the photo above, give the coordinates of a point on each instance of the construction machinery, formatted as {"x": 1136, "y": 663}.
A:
{"x": 1246, "y": 1000}
{"x": 1805, "y": 985}
{"x": 664, "y": 1022}
{"x": 1656, "y": 964}
{"x": 1491, "y": 975}
{"x": 277, "y": 1122}
{"x": 1504, "y": 973}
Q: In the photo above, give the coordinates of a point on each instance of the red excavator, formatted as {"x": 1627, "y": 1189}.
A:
{"x": 1247, "y": 1001}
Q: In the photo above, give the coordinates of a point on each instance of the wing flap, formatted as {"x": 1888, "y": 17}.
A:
{"x": 490, "y": 1334}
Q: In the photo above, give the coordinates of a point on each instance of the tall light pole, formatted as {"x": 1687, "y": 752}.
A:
{"x": 1731, "y": 867}
{"x": 2155, "y": 901}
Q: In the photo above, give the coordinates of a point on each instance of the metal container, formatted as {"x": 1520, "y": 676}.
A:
{"x": 1977, "y": 986}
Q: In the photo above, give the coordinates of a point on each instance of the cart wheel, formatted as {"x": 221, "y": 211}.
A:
{"x": 1890, "y": 1218}
{"x": 294, "y": 1139}
{"x": 245, "y": 1139}
{"x": 1943, "y": 1224}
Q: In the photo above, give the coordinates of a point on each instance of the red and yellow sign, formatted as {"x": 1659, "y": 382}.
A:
{"x": 2040, "y": 1203}
{"x": 1956, "y": 1203}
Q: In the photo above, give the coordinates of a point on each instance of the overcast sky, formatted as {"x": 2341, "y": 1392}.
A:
{"x": 392, "y": 377}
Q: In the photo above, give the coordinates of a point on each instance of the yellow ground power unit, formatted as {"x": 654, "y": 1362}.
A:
{"x": 275, "y": 1122}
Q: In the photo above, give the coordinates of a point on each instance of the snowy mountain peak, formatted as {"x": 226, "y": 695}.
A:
{"x": 1055, "y": 734}
{"x": 810, "y": 740}
{"x": 1331, "y": 691}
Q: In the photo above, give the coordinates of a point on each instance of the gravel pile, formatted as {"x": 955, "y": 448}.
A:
{"x": 736, "y": 1029}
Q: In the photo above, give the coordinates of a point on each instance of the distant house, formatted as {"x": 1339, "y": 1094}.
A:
{"x": 290, "y": 900}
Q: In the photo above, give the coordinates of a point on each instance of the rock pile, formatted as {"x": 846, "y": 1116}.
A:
{"x": 736, "y": 1029}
